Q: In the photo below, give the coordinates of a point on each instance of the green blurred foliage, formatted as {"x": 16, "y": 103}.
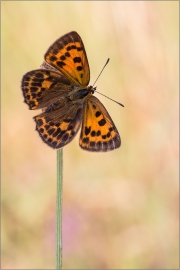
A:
{"x": 120, "y": 209}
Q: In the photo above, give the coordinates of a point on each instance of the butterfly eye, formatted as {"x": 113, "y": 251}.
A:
{"x": 92, "y": 89}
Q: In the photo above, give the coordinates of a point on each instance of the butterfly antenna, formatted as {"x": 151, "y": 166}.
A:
{"x": 101, "y": 71}
{"x": 101, "y": 93}
{"x": 110, "y": 98}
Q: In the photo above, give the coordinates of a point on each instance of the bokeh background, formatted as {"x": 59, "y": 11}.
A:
{"x": 120, "y": 209}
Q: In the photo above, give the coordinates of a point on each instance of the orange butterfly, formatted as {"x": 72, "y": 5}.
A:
{"x": 61, "y": 89}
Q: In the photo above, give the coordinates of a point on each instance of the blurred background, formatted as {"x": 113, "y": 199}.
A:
{"x": 120, "y": 209}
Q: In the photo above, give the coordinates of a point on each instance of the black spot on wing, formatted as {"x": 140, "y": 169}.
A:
{"x": 93, "y": 133}
{"x": 60, "y": 64}
{"x": 98, "y": 113}
{"x": 63, "y": 57}
{"x": 87, "y": 130}
{"x": 102, "y": 122}
{"x": 50, "y": 131}
{"x": 67, "y": 54}
{"x": 77, "y": 60}
{"x": 39, "y": 122}
{"x": 65, "y": 137}
{"x": 85, "y": 140}
{"x": 53, "y": 58}
{"x": 79, "y": 68}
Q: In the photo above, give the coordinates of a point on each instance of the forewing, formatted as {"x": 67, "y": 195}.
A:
{"x": 98, "y": 133}
{"x": 58, "y": 125}
{"x": 68, "y": 55}
{"x": 42, "y": 87}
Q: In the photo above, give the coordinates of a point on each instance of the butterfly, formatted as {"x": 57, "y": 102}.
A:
{"x": 60, "y": 88}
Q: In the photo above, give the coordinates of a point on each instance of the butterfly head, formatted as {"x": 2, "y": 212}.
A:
{"x": 92, "y": 89}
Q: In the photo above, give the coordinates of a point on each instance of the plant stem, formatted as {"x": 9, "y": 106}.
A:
{"x": 59, "y": 197}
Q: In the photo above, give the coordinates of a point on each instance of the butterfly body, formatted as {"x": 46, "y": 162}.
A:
{"x": 61, "y": 89}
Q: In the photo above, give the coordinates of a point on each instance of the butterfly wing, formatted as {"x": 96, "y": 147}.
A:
{"x": 68, "y": 55}
{"x": 98, "y": 133}
{"x": 59, "y": 124}
{"x": 42, "y": 87}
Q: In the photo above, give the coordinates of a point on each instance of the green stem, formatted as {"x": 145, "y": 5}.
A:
{"x": 59, "y": 197}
